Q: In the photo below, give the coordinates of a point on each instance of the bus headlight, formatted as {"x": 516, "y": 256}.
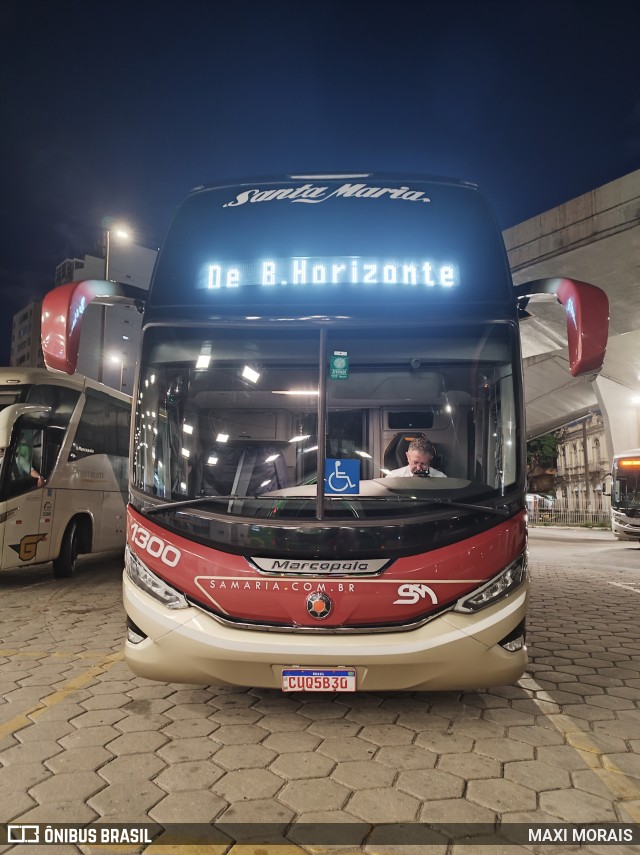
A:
{"x": 141, "y": 576}
{"x": 495, "y": 589}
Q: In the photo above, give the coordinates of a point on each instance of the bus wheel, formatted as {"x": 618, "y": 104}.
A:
{"x": 65, "y": 564}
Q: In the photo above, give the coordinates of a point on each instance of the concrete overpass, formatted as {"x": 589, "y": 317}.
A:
{"x": 595, "y": 238}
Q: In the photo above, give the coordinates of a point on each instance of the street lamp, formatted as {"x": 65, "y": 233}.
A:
{"x": 119, "y": 232}
{"x": 120, "y": 360}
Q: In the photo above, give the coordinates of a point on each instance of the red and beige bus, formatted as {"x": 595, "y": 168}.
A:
{"x": 300, "y": 334}
{"x": 64, "y": 448}
{"x": 625, "y": 495}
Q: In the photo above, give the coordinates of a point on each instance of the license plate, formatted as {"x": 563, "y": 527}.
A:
{"x": 318, "y": 680}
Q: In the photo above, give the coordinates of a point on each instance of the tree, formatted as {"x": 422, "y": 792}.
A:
{"x": 542, "y": 452}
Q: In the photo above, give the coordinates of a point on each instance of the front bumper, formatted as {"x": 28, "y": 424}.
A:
{"x": 453, "y": 651}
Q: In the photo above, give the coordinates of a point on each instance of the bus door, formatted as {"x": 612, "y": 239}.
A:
{"x": 29, "y": 502}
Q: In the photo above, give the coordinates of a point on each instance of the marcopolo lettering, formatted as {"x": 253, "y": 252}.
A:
{"x": 292, "y": 566}
{"x": 312, "y": 194}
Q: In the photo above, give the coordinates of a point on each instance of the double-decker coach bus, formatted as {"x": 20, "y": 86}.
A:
{"x": 625, "y": 495}
{"x": 64, "y": 444}
{"x": 309, "y": 343}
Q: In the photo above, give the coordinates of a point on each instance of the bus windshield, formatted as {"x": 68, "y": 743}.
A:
{"x": 625, "y": 493}
{"x": 232, "y": 415}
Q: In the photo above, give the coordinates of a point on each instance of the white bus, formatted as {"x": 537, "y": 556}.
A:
{"x": 625, "y": 495}
{"x": 64, "y": 448}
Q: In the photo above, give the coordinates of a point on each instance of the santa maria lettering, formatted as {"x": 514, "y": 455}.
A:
{"x": 316, "y": 271}
{"x": 312, "y": 194}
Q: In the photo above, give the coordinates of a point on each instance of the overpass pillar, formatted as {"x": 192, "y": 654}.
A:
{"x": 621, "y": 417}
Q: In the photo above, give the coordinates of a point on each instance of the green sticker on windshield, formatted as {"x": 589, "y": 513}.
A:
{"x": 339, "y": 366}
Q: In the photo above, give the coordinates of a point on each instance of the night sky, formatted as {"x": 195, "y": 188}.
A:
{"x": 114, "y": 109}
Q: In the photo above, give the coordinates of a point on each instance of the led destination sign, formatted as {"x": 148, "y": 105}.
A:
{"x": 336, "y": 270}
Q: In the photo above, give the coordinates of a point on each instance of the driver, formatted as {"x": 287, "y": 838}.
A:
{"x": 419, "y": 456}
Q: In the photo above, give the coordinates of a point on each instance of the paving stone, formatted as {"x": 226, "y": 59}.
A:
{"x": 402, "y": 757}
{"x": 95, "y": 718}
{"x": 126, "y": 798}
{"x": 577, "y": 806}
{"x": 302, "y": 765}
{"x": 190, "y": 696}
{"x": 383, "y": 805}
{"x": 232, "y": 757}
{"x": 124, "y": 769}
{"x": 562, "y": 756}
{"x": 371, "y": 715}
{"x": 14, "y": 803}
{"x": 504, "y": 749}
{"x": 88, "y": 736}
{"x": 76, "y": 813}
{"x": 536, "y": 735}
{"x": 105, "y": 702}
{"x": 283, "y": 721}
{"x": 138, "y": 743}
{"x": 430, "y": 783}
{"x": 237, "y": 734}
{"x": 239, "y": 786}
{"x": 196, "y": 748}
{"x": 477, "y": 729}
{"x": 72, "y": 787}
{"x": 186, "y": 711}
{"x": 334, "y": 729}
{"x": 139, "y": 723}
{"x": 267, "y": 811}
{"x": 78, "y": 759}
{"x": 149, "y": 691}
{"x": 192, "y": 775}
{"x": 536, "y": 775}
{"x": 317, "y": 794}
{"x": 232, "y": 700}
{"x": 363, "y": 774}
{"x": 454, "y": 811}
{"x": 443, "y": 742}
{"x": 627, "y": 763}
{"x": 501, "y": 795}
{"x": 47, "y": 730}
{"x": 196, "y": 806}
{"x": 190, "y": 728}
{"x": 23, "y": 776}
{"x": 282, "y": 743}
{"x": 470, "y": 765}
{"x": 32, "y": 752}
{"x": 387, "y": 734}
{"x": 317, "y": 711}
{"x": 244, "y": 715}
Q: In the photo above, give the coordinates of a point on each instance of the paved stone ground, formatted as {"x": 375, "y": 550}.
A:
{"x": 83, "y": 740}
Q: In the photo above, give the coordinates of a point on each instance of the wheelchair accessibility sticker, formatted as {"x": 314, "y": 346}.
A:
{"x": 341, "y": 476}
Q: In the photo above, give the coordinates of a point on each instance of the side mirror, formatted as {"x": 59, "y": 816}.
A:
{"x": 606, "y": 484}
{"x": 587, "y": 309}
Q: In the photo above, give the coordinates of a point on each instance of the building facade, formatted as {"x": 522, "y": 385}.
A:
{"x": 582, "y": 465}
{"x": 26, "y": 349}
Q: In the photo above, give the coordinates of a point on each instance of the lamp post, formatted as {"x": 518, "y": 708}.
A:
{"x": 120, "y": 360}
{"x": 122, "y": 234}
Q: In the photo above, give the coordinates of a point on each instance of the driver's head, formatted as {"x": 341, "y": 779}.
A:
{"x": 420, "y": 454}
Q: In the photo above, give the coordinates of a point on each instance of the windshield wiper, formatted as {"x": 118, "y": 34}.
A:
{"x": 204, "y": 500}
{"x": 354, "y": 497}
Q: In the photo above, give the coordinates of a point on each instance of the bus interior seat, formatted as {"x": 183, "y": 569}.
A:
{"x": 395, "y": 454}
{"x": 241, "y": 468}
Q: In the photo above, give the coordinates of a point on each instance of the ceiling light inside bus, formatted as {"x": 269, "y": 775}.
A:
{"x": 186, "y": 452}
{"x": 250, "y": 375}
{"x": 212, "y": 461}
{"x": 300, "y": 438}
{"x": 222, "y": 437}
{"x": 203, "y": 360}
{"x": 307, "y": 450}
{"x": 187, "y": 428}
{"x": 294, "y": 392}
{"x": 362, "y": 453}
{"x": 271, "y": 458}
